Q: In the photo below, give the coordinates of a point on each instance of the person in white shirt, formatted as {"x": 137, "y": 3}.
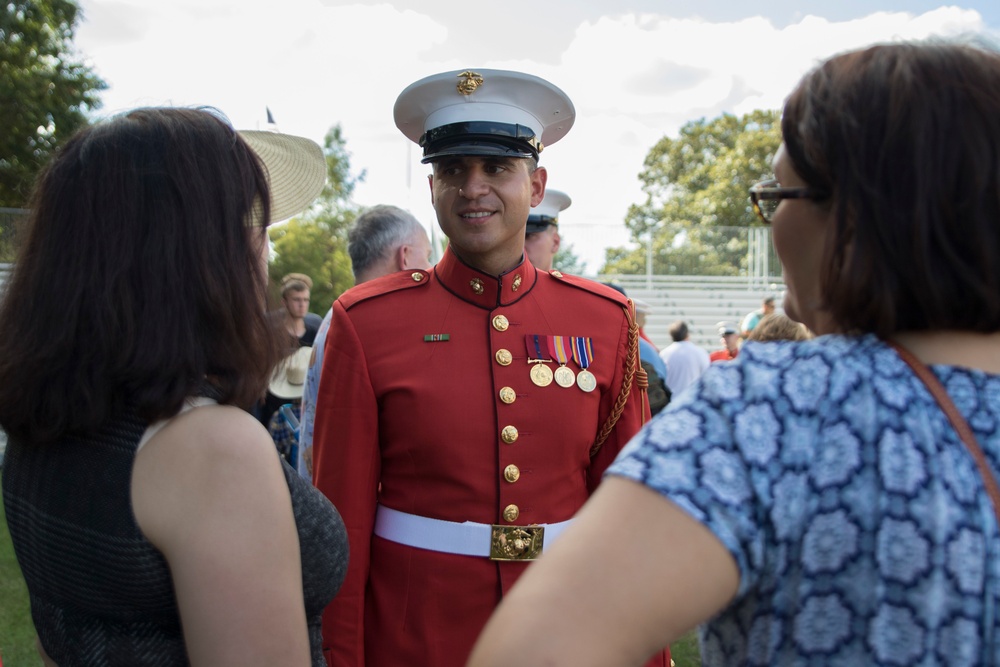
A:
{"x": 685, "y": 361}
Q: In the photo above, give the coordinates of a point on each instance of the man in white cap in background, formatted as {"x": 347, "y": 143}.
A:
{"x": 541, "y": 234}
{"x": 729, "y": 336}
{"x": 468, "y": 411}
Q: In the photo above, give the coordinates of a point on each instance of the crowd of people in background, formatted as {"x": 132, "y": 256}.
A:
{"x": 487, "y": 457}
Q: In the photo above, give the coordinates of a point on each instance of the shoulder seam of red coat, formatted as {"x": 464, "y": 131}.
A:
{"x": 593, "y": 287}
{"x": 393, "y": 282}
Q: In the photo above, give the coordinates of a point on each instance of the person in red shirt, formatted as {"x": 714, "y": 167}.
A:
{"x": 730, "y": 344}
{"x": 466, "y": 412}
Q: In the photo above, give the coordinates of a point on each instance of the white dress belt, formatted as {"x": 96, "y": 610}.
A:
{"x": 466, "y": 539}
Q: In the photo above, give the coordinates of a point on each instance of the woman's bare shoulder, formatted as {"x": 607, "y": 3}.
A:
{"x": 208, "y": 460}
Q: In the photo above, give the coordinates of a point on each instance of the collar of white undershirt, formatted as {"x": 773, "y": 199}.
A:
{"x": 190, "y": 403}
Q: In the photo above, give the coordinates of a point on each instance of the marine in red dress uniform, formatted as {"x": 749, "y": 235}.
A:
{"x": 444, "y": 433}
{"x": 730, "y": 338}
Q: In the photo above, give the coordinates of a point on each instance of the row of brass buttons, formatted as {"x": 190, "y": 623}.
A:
{"x": 509, "y": 434}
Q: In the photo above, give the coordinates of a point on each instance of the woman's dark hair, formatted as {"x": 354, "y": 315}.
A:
{"x": 906, "y": 137}
{"x": 140, "y": 279}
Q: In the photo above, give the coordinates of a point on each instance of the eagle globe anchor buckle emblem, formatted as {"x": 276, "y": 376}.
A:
{"x": 516, "y": 542}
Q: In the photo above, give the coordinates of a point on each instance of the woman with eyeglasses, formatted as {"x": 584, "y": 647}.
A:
{"x": 830, "y": 501}
{"x": 150, "y": 514}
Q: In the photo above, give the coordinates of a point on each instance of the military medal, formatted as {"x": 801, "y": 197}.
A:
{"x": 564, "y": 377}
{"x": 586, "y": 380}
{"x": 541, "y": 374}
{"x": 583, "y": 354}
{"x": 559, "y": 349}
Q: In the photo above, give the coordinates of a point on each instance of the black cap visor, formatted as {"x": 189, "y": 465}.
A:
{"x": 539, "y": 223}
{"x": 479, "y": 139}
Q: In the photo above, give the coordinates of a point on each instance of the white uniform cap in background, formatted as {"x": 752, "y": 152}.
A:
{"x": 641, "y": 306}
{"x": 483, "y": 113}
{"x": 726, "y": 328}
{"x": 547, "y": 213}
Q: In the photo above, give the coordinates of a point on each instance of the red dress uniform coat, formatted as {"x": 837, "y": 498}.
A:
{"x": 415, "y": 422}
{"x": 722, "y": 355}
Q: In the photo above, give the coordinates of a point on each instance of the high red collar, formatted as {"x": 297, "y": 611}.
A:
{"x": 481, "y": 289}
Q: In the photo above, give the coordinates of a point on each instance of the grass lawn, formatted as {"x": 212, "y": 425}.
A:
{"x": 17, "y": 634}
{"x": 684, "y": 651}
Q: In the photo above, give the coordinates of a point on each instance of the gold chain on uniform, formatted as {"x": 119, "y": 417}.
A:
{"x": 632, "y": 357}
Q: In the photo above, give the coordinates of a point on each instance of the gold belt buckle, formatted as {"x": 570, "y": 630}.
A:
{"x": 516, "y": 542}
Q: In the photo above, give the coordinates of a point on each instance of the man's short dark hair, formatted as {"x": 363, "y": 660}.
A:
{"x": 678, "y": 331}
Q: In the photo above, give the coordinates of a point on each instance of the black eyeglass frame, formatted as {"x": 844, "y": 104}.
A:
{"x": 769, "y": 190}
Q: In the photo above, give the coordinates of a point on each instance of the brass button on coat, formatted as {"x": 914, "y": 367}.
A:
{"x": 504, "y": 357}
{"x": 511, "y": 512}
{"x": 417, "y": 277}
{"x": 509, "y": 434}
{"x": 477, "y": 286}
{"x": 500, "y": 323}
{"x": 511, "y": 473}
{"x": 507, "y": 395}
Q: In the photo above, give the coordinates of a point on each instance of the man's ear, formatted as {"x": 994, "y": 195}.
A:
{"x": 430, "y": 185}
{"x": 538, "y": 179}
{"x": 555, "y": 242}
{"x": 401, "y": 256}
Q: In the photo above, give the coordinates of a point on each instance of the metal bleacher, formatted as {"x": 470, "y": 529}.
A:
{"x": 701, "y": 301}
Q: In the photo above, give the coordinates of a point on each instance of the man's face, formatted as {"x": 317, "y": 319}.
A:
{"x": 482, "y": 204}
{"x": 297, "y": 303}
{"x": 541, "y": 247}
{"x": 731, "y": 341}
{"x": 769, "y": 308}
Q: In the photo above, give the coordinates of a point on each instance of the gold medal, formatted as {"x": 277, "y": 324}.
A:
{"x": 586, "y": 380}
{"x": 564, "y": 377}
{"x": 541, "y": 375}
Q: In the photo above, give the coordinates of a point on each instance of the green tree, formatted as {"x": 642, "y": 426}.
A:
{"x": 696, "y": 185}
{"x": 316, "y": 243}
{"x": 45, "y": 90}
{"x": 567, "y": 261}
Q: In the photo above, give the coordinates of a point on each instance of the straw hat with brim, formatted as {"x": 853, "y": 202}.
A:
{"x": 289, "y": 379}
{"x": 295, "y": 168}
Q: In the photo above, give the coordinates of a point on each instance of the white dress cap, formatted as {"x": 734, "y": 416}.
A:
{"x": 547, "y": 213}
{"x": 483, "y": 112}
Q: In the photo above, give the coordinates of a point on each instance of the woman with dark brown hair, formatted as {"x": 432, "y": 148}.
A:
{"x": 150, "y": 515}
{"x": 828, "y": 501}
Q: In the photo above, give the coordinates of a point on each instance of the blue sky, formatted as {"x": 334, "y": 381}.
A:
{"x": 636, "y": 72}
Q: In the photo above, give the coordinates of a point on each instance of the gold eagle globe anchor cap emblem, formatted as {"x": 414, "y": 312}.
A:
{"x": 470, "y": 82}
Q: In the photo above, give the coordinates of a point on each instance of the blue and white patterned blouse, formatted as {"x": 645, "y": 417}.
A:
{"x": 860, "y": 525}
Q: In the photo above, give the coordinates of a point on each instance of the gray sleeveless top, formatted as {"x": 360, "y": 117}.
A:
{"x": 100, "y": 593}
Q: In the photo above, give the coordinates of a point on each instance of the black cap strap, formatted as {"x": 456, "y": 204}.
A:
{"x": 519, "y": 138}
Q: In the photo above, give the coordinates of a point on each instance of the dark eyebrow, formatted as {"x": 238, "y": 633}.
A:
{"x": 500, "y": 160}
{"x": 447, "y": 162}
